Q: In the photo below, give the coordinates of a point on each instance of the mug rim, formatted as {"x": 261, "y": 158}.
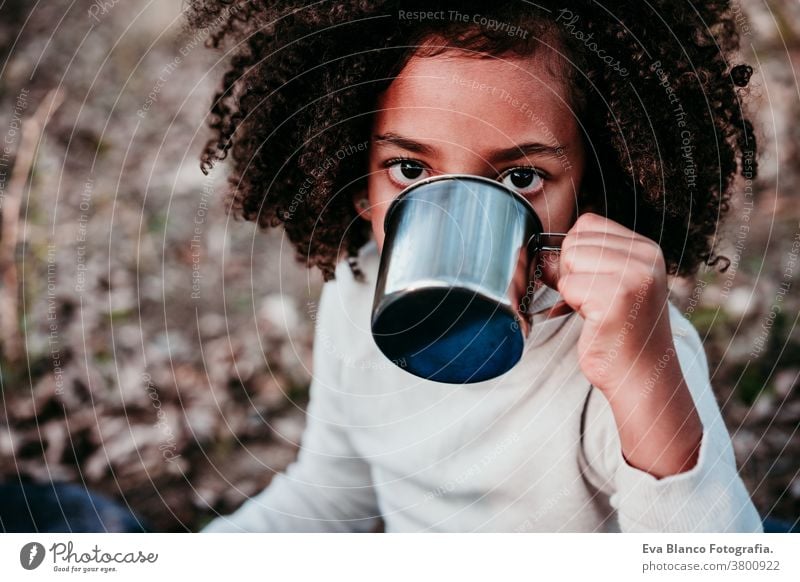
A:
{"x": 475, "y": 178}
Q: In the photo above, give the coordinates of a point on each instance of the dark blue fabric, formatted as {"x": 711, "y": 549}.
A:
{"x": 780, "y": 526}
{"x": 62, "y": 508}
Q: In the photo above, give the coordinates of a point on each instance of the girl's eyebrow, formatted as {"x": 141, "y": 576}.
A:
{"x": 405, "y": 143}
{"x": 529, "y": 149}
{"x": 505, "y": 155}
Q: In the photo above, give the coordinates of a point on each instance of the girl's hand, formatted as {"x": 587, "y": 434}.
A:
{"x": 616, "y": 280}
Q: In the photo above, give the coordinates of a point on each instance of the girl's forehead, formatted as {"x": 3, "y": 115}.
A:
{"x": 452, "y": 96}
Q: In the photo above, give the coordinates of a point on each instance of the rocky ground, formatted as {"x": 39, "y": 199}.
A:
{"x": 161, "y": 354}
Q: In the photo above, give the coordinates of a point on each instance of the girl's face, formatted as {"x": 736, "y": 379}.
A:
{"x": 507, "y": 119}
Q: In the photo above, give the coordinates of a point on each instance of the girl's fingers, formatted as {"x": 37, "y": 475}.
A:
{"x": 580, "y": 290}
{"x": 633, "y": 246}
{"x": 597, "y": 223}
{"x": 588, "y": 258}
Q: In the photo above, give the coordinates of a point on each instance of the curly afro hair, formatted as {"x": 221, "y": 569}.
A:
{"x": 652, "y": 83}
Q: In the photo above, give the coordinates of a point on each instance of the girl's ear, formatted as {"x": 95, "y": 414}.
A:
{"x": 361, "y": 203}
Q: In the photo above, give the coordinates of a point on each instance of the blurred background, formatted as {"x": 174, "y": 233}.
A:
{"x": 158, "y": 353}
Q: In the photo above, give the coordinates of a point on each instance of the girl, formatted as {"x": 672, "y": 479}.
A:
{"x": 622, "y": 128}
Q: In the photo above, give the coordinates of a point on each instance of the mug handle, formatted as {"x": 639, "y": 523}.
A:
{"x": 551, "y": 242}
{"x": 544, "y": 241}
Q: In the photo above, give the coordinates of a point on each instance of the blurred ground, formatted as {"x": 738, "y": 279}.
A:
{"x": 163, "y": 353}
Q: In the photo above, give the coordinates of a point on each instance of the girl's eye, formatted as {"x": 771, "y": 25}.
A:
{"x": 406, "y": 172}
{"x": 523, "y": 180}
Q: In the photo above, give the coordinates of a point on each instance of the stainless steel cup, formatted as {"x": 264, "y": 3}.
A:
{"x": 456, "y": 278}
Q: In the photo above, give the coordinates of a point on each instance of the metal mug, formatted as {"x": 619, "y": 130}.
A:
{"x": 455, "y": 278}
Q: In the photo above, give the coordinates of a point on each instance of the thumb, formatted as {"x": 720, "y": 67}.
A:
{"x": 546, "y": 269}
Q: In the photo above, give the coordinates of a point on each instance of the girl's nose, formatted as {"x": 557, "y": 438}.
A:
{"x": 467, "y": 163}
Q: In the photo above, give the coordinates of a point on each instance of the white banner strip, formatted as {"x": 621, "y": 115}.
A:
{"x": 400, "y": 557}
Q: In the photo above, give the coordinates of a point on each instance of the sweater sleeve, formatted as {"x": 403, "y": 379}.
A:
{"x": 709, "y": 497}
{"x": 329, "y": 487}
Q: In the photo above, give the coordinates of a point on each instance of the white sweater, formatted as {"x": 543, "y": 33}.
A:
{"x": 535, "y": 450}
